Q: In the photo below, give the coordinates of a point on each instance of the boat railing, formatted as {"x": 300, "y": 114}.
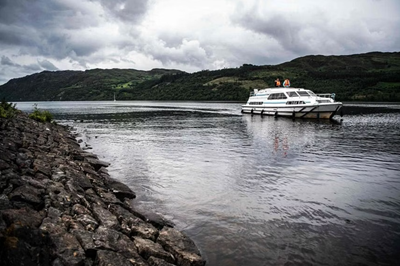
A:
{"x": 326, "y": 95}
{"x": 254, "y": 92}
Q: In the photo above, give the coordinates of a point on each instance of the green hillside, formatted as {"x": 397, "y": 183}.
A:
{"x": 365, "y": 77}
{"x": 94, "y": 84}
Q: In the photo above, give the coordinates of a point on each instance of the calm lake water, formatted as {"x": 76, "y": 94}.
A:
{"x": 251, "y": 190}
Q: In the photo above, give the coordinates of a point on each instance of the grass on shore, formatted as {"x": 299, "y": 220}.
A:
{"x": 7, "y": 110}
{"x": 41, "y": 116}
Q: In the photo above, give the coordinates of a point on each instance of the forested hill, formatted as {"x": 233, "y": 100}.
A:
{"x": 94, "y": 84}
{"x": 364, "y": 77}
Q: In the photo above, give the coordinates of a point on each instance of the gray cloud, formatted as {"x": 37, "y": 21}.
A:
{"x": 126, "y": 10}
{"x": 8, "y": 68}
{"x": 40, "y": 65}
{"x": 49, "y": 28}
{"x": 43, "y": 14}
{"x": 46, "y": 64}
{"x": 320, "y": 30}
{"x": 9, "y": 35}
{"x": 286, "y": 32}
{"x": 187, "y": 52}
{"x": 6, "y": 61}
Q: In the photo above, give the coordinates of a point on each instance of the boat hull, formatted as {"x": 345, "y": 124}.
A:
{"x": 321, "y": 111}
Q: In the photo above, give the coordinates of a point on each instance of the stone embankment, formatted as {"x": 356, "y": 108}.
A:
{"x": 59, "y": 206}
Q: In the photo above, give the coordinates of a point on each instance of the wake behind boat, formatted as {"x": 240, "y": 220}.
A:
{"x": 292, "y": 102}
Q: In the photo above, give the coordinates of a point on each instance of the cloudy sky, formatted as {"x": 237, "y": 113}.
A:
{"x": 189, "y": 35}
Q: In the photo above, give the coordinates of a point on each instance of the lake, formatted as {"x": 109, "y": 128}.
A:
{"x": 253, "y": 190}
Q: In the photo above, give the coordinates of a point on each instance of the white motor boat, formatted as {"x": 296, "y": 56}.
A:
{"x": 292, "y": 102}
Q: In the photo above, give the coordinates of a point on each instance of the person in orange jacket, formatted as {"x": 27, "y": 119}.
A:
{"x": 286, "y": 83}
{"x": 277, "y": 83}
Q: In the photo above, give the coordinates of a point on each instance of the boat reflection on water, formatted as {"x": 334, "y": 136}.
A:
{"x": 283, "y": 143}
{"x": 284, "y": 137}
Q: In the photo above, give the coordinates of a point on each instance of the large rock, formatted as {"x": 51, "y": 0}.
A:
{"x": 111, "y": 258}
{"x": 148, "y": 248}
{"x": 42, "y": 167}
{"x": 97, "y": 164}
{"x": 80, "y": 179}
{"x": 153, "y": 261}
{"x": 133, "y": 225}
{"x": 120, "y": 190}
{"x": 28, "y": 194}
{"x": 85, "y": 238}
{"x": 23, "y": 217}
{"x": 105, "y": 217}
{"x": 87, "y": 221}
{"x": 68, "y": 249}
{"x": 179, "y": 245}
{"x": 78, "y": 209}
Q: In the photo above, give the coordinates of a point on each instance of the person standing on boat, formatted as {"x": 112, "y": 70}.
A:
{"x": 277, "y": 83}
{"x": 286, "y": 83}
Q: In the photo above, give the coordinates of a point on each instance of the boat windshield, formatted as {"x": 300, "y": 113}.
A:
{"x": 303, "y": 93}
{"x": 292, "y": 94}
{"x": 312, "y": 93}
{"x": 273, "y": 96}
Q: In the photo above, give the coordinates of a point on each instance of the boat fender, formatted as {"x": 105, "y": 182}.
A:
{"x": 252, "y": 111}
{"x": 293, "y": 115}
{"x": 262, "y": 112}
{"x": 276, "y": 114}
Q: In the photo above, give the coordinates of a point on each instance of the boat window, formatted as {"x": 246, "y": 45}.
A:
{"x": 303, "y": 93}
{"x": 295, "y": 102}
{"x": 311, "y": 93}
{"x": 292, "y": 94}
{"x": 277, "y": 96}
{"x": 255, "y": 103}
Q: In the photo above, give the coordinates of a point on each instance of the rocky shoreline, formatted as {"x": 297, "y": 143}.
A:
{"x": 59, "y": 206}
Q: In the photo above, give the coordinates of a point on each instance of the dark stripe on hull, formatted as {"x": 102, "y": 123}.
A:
{"x": 303, "y": 112}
